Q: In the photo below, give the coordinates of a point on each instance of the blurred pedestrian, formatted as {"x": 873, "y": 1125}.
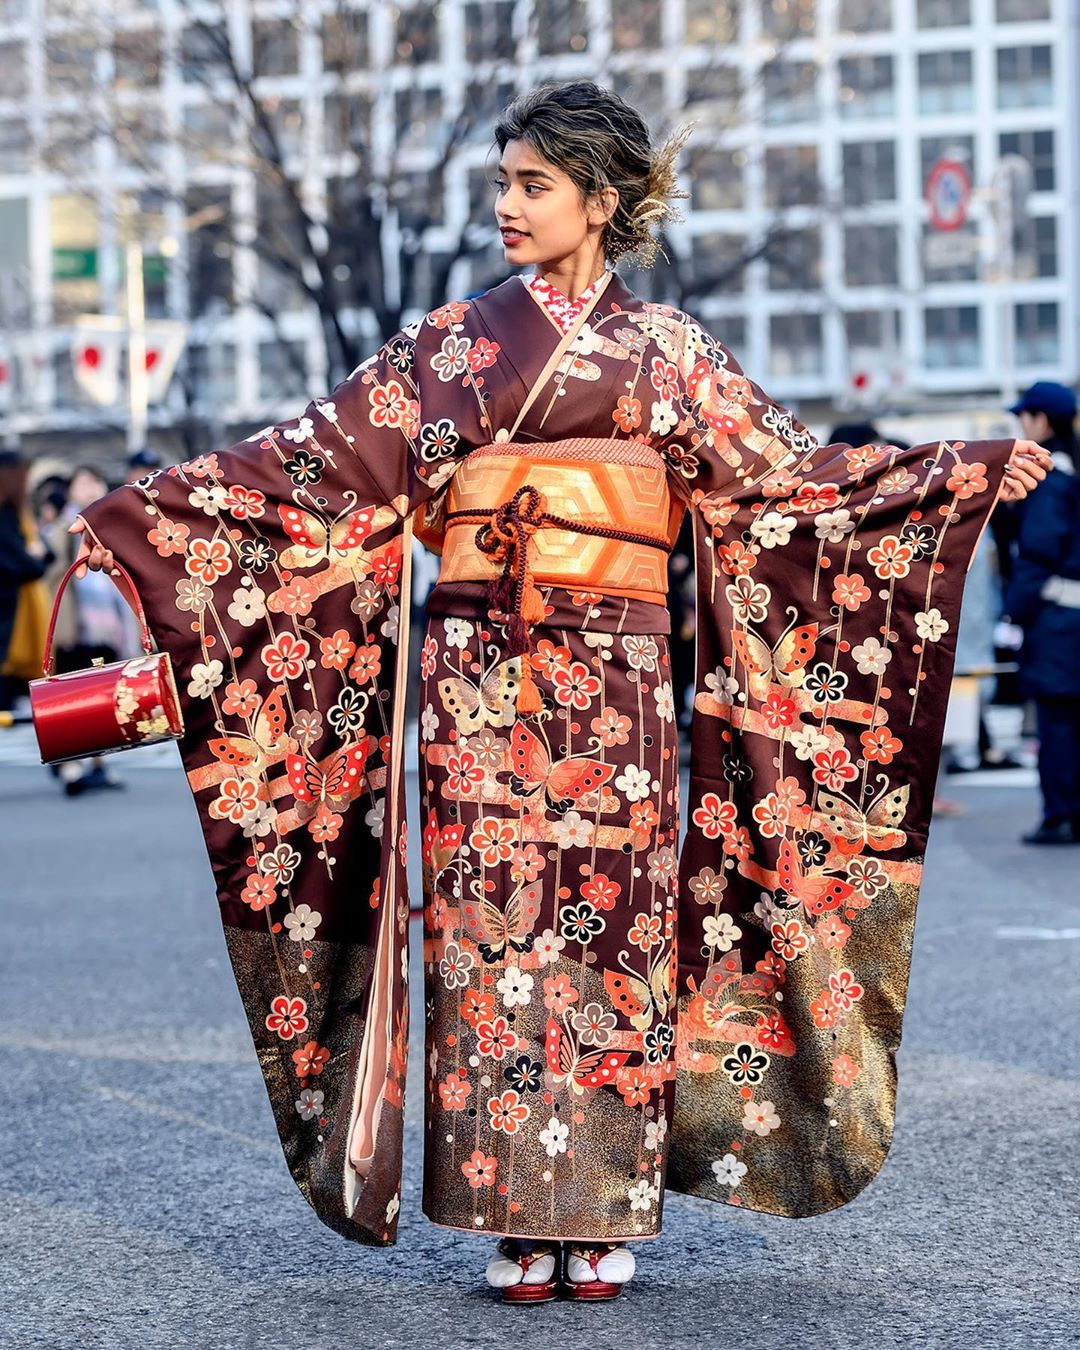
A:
{"x": 1044, "y": 599}
{"x": 93, "y": 624}
{"x": 140, "y": 463}
{"x": 23, "y": 560}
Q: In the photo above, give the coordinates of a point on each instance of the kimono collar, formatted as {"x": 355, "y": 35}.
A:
{"x": 559, "y": 307}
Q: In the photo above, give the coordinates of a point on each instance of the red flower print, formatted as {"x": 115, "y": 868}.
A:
{"x": 427, "y": 657}
{"x": 240, "y": 700}
{"x": 832, "y": 931}
{"x": 718, "y": 511}
{"x": 891, "y": 557}
{"x": 646, "y": 931}
{"x": 814, "y": 497}
{"x": 844, "y": 990}
{"x": 239, "y": 798}
{"x": 336, "y": 651}
{"x": 643, "y": 817}
{"x": 285, "y": 659}
{"x": 388, "y": 404}
{"x": 259, "y": 891}
{"x": 771, "y": 964}
{"x": 325, "y": 826}
{"x": 834, "y": 768}
{"x": 559, "y": 994}
{"x": 601, "y": 891}
{"x": 967, "y": 479}
{"x": 463, "y": 772}
{"x": 548, "y": 658}
{"x": 494, "y": 1038}
{"x": 454, "y": 1092}
{"x": 245, "y": 503}
{"x": 790, "y": 794}
{"x": 850, "y": 591}
{"x": 714, "y": 817}
{"x": 482, "y": 353}
{"x": 611, "y": 728}
{"x": 575, "y": 686}
{"x": 477, "y": 1007}
{"x": 448, "y": 314}
{"x": 880, "y": 745}
{"x": 772, "y": 1031}
{"x": 771, "y": 816}
{"x": 168, "y": 537}
{"x": 736, "y": 389}
{"x": 863, "y": 457}
{"x": 844, "y": 1071}
{"x": 781, "y": 483}
{"x": 508, "y": 1112}
{"x": 287, "y": 1017}
{"x": 823, "y": 1011}
{"x": 311, "y": 1060}
{"x": 295, "y": 599}
{"x": 789, "y": 939}
{"x": 634, "y": 1086}
{"x": 778, "y": 711}
{"x": 526, "y": 863}
{"x": 738, "y": 845}
{"x": 480, "y": 1170}
{"x": 201, "y": 467}
{"x": 736, "y": 559}
{"x": 367, "y": 665}
{"x": 493, "y": 839}
{"x": 627, "y": 414}
{"x": 664, "y": 378}
{"x": 207, "y": 560}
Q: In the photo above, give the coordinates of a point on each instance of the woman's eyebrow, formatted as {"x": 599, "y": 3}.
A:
{"x": 530, "y": 173}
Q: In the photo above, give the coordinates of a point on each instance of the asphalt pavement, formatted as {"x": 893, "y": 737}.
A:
{"x": 145, "y": 1202}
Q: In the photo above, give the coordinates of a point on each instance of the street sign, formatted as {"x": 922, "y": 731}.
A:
{"x": 949, "y": 249}
{"x": 71, "y": 264}
{"x": 948, "y": 192}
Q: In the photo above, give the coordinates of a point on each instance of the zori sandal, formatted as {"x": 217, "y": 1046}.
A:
{"x": 526, "y": 1272}
{"x": 596, "y": 1271}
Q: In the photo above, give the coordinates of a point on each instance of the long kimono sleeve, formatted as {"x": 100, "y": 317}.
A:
{"x": 273, "y": 573}
{"x": 829, "y": 588}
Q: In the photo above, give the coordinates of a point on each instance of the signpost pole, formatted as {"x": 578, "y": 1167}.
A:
{"x": 138, "y": 382}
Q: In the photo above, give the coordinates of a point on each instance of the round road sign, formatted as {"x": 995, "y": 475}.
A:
{"x": 948, "y": 191}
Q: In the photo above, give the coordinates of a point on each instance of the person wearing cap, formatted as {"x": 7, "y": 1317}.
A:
{"x": 1044, "y": 599}
{"x": 140, "y": 463}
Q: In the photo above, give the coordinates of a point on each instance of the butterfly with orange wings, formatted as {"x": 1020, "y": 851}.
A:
{"x": 493, "y": 702}
{"x": 852, "y": 828}
{"x": 642, "y": 1001}
{"x": 497, "y": 931}
{"x": 336, "y": 780}
{"x": 784, "y": 663}
{"x": 580, "y": 1070}
{"x": 725, "y": 979}
{"x": 818, "y": 895}
{"x": 248, "y": 754}
{"x": 315, "y": 541}
{"x": 563, "y": 782}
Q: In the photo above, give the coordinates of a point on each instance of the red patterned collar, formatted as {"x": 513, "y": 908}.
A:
{"x": 562, "y": 310}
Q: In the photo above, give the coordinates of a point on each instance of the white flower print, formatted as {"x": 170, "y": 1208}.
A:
{"x": 572, "y": 831}
{"x": 373, "y": 819}
{"x": 729, "y": 1170}
{"x": 749, "y": 599}
{"x": 301, "y": 432}
{"x": 248, "y": 605}
{"x": 760, "y": 1117}
{"x": 309, "y": 1103}
{"x": 487, "y": 747}
{"x": 721, "y": 932}
{"x": 721, "y": 685}
{"x": 458, "y": 633}
{"x": 548, "y": 945}
{"x": 634, "y": 783}
{"x": 259, "y": 822}
{"x": 930, "y": 625}
{"x": 429, "y": 723}
{"x": 641, "y": 651}
{"x": 771, "y": 529}
{"x": 593, "y": 1025}
{"x": 641, "y": 1195}
{"x": 833, "y": 526}
{"x": 452, "y": 359}
{"x": 389, "y": 628}
{"x": 208, "y": 498}
{"x": 205, "y": 678}
{"x": 516, "y": 987}
{"x": 655, "y": 1134}
{"x": 601, "y": 643}
{"x": 665, "y": 701}
{"x": 554, "y": 1136}
{"x": 455, "y": 966}
{"x": 871, "y": 657}
{"x": 302, "y": 923}
{"x": 768, "y": 911}
{"x": 327, "y": 410}
{"x": 867, "y": 876}
{"x": 808, "y": 742}
{"x": 664, "y": 417}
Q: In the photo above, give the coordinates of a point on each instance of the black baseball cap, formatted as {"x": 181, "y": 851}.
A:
{"x": 144, "y": 459}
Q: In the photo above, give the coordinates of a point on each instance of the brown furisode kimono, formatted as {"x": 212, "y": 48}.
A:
{"x": 578, "y": 1060}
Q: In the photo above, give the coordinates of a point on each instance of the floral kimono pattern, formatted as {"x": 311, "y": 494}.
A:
{"x": 605, "y": 1016}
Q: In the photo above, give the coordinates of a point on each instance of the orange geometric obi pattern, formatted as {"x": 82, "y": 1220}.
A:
{"x": 611, "y": 487}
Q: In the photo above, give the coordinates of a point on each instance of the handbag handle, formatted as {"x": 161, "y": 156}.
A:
{"x": 147, "y": 641}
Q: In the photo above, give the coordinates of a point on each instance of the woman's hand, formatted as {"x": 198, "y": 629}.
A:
{"x": 97, "y": 558}
{"x": 1028, "y": 465}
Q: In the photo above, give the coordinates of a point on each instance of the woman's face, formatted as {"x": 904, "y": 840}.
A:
{"x": 539, "y": 209}
{"x": 86, "y": 487}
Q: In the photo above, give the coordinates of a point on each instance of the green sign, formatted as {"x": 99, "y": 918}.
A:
{"x": 69, "y": 264}
{"x": 155, "y": 268}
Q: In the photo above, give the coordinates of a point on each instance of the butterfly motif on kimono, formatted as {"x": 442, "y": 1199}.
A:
{"x": 642, "y": 1001}
{"x": 337, "y": 779}
{"x": 492, "y": 702}
{"x": 580, "y": 1070}
{"x": 563, "y": 782}
{"x": 817, "y": 894}
{"x": 852, "y": 828}
{"x": 249, "y": 754}
{"x": 783, "y": 663}
{"x": 316, "y": 542}
{"x": 497, "y": 931}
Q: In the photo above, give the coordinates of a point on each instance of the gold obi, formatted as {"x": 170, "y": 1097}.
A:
{"x": 600, "y": 488}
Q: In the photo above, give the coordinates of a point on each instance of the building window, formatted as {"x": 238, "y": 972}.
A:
{"x": 787, "y": 19}
{"x": 485, "y": 100}
{"x": 418, "y": 118}
{"x": 719, "y": 263}
{"x": 275, "y": 48}
{"x": 716, "y": 179}
{"x": 69, "y": 64}
{"x": 871, "y": 332}
{"x": 865, "y": 16}
{"x": 791, "y": 175}
{"x": 1038, "y": 334}
{"x": 1024, "y": 77}
{"x": 950, "y": 255}
{"x": 561, "y": 26}
{"x": 210, "y": 248}
{"x": 282, "y": 370}
{"x": 416, "y": 37}
{"x": 73, "y": 228}
{"x": 933, "y": 148}
{"x": 345, "y": 41}
{"x": 1037, "y": 147}
{"x": 946, "y": 84}
{"x": 730, "y": 330}
{"x": 1021, "y": 11}
{"x": 871, "y": 257}
{"x": 136, "y": 59}
{"x": 794, "y": 261}
{"x": 717, "y": 86}
{"x": 869, "y": 172}
{"x": 866, "y": 86}
{"x": 489, "y": 31}
{"x": 943, "y": 13}
{"x": 14, "y": 145}
{"x": 789, "y": 92}
{"x": 709, "y": 22}
{"x": 635, "y": 25}
{"x": 1045, "y": 234}
{"x": 795, "y": 346}
{"x": 952, "y": 338}
{"x": 283, "y": 136}
{"x": 346, "y": 124}
{"x": 204, "y": 52}
{"x": 211, "y": 372}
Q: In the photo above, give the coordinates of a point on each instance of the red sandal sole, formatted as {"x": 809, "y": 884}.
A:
{"x": 530, "y": 1293}
{"x": 595, "y": 1291}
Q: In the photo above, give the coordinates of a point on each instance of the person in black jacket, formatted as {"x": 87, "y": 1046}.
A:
{"x": 1044, "y": 599}
{"x": 19, "y": 562}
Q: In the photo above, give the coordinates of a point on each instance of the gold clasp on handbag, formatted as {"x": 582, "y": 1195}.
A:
{"x": 97, "y": 661}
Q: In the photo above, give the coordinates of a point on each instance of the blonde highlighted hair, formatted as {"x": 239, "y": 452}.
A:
{"x": 599, "y": 141}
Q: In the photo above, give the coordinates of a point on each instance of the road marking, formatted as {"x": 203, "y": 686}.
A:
{"x": 183, "y": 1118}
{"x": 1021, "y": 934}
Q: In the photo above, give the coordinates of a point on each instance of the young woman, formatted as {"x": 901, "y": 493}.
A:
{"x": 548, "y": 438}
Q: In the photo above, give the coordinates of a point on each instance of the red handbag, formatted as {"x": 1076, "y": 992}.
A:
{"x": 105, "y": 707}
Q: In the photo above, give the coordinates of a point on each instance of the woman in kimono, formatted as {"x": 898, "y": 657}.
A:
{"x": 548, "y": 437}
